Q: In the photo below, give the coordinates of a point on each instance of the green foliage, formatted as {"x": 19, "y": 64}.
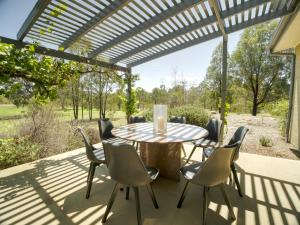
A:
{"x": 24, "y": 74}
{"x": 160, "y": 95}
{"x": 4, "y": 100}
{"x": 16, "y": 151}
{"x": 279, "y": 109}
{"x": 194, "y": 115}
{"x": 254, "y": 68}
{"x": 265, "y": 141}
{"x": 213, "y": 78}
{"x": 11, "y": 111}
{"x": 130, "y": 101}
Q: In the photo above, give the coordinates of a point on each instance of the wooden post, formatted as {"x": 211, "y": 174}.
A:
{"x": 291, "y": 96}
{"x": 129, "y": 90}
{"x": 224, "y": 87}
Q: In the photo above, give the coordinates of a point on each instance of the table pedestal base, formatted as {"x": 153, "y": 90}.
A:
{"x": 166, "y": 157}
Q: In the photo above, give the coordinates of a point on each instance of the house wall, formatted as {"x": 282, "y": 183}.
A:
{"x": 295, "y": 118}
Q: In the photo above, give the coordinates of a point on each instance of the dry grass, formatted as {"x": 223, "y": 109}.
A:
{"x": 259, "y": 126}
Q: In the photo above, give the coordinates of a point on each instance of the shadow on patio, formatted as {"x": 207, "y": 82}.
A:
{"x": 52, "y": 191}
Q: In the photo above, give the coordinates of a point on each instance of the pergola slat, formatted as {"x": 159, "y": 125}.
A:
{"x": 165, "y": 38}
{"x": 136, "y": 31}
{"x": 33, "y": 16}
{"x": 183, "y": 30}
{"x": 94, "y": 21}
{"x": 232, "y": 29}
{"x": 177, "y": 48}
{"x": 144, "y": 26}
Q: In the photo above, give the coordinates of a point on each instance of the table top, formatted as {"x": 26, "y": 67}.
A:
{"x": 176, "y": 132}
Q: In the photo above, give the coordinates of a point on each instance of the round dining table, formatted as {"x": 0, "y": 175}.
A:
{"x": 161, "y": 150}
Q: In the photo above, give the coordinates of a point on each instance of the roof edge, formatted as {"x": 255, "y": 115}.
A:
{"x": 282, "y": 26}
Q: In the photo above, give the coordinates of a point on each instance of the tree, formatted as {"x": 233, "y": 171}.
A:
{"x": 107, "y": 81}
{"x": 25, "y": 74}
{"x": 143, "y": 98}
{"x": 253, "y": 65}
{"x": 213, "y": 78}
{"x": 130, "y": 101}
{"x": 160, "y": 95}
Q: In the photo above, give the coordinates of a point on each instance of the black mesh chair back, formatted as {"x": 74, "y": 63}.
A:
{"x": 137, "y": 119}
{"x": 214, "y": 129}
{"x": 216, "y": 169}
{"x": 177, "y": 119}
{"x": 124, "y": 164}
{"x": 105, "y": 127}
{"x": 237, "y": 139}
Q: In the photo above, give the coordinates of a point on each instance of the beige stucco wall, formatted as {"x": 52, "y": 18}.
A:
{"x": 295, "y": 119}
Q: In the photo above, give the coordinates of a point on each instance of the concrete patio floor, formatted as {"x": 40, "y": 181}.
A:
{"x": 52, "y": 191}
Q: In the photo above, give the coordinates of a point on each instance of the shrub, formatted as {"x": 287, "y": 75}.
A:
{"x": 279, "y": 109}
{"x": 15, "y": 151}
{"x": 194, "y": 115}
{"x": 265, "y": 141}
{"x": 54, "y": 135}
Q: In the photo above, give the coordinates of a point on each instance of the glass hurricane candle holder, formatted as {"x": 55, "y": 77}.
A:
{"x": 160, "y": 117}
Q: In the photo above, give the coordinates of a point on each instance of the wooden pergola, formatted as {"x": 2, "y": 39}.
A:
{"x": 121, "y": 34}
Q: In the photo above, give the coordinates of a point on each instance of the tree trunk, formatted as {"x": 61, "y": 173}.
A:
{"x": 254, "y": 106}
{"x": 75, "y": 99}
{"x": 82, "y": 102}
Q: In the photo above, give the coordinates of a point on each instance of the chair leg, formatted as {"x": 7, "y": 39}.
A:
{"x": 225, "y": 196}
{"x": 236, "y": 180}
{"x": 184, "y": 152}
{"x": 127, "y": 192}
{"x": 203, "y": 155}
{"x": 190, "y": 156}
{"x": 182, "y": 195}
{"x": 137, "y": 146}
{"x": 138, "y": 206}
{"x": 90, "y": 179}
{"x": 205, "y": 205}
{"x": 110, "y": 203}
{"x": 152, "y": 195}
{"x": 89, "y": 174}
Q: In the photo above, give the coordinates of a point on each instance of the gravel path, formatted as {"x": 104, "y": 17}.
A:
{"x": 259, "y": 126}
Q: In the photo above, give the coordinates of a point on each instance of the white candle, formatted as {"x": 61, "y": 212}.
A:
{"x": 160, "y": 123}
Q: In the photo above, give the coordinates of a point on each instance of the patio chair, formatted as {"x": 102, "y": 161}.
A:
{"x": 105, "y": 127}
{"x": 137, "y": 119}
{"x": 212, "y": 140}
{"x": 211, "y": 173}
{"x": 126, "y": 168}
{"x": 96, "y": 157}
{"x": 237, "y": 139}
{"x": 178, "y": 119}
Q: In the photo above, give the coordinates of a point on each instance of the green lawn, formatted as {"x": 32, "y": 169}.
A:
{"x": 8, "y": 126}
{"x": 11, "y": 111}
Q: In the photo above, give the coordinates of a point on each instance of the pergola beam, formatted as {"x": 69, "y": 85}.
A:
{"x": 223, "y": 87}
{"x": 216, "y": 9}
{"x": 183, "y": 5}
{"x": 99, "y": 17}
{"x": 64, "y": 55}
{"x": 35, "y": 13}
